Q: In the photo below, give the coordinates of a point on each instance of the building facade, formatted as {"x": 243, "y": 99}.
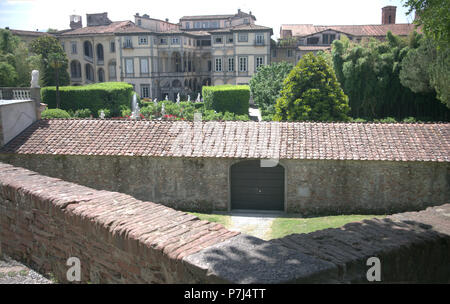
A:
{"x": 160, "y": 58}
{"x": 298, "y": 39}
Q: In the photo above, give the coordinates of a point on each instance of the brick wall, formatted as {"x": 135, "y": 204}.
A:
{"x": 117, "y": 238}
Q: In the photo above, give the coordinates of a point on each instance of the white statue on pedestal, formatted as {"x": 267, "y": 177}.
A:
{"x": 35, "y": 79}
{"x": 198, "y": 98}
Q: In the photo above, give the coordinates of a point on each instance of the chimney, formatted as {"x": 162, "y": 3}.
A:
{"x": 75, "y": 22}
{"x": 388, "y": 14}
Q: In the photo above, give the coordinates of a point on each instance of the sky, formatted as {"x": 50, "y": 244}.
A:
{"x": 43, "y": 14}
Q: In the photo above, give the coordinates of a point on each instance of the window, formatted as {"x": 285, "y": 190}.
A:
{"x": 197, "y": 25}
{"x": 214, "y": 24}
{"x": 188, "y": 25}
{"x": 206, "y": 43}
{"x": 209, "y": 66}
{"x": 129, "y": 66}
{"x": 242, "y": 64}
{"x": 175, "y": 40}
{"x": 100, "y": 55}
{"x": 312, "y": 40}
{"x": 101, "y": 75}
{"x": 145, "y": 90}
{"x": 75, "y": 69}
{"x": 218, "y": 64}
{"x": 74, "y": 48}
{"x": 205, "y": 24}
{"x": 143, "y": 40}
{"x": 88, "y": 49}
{"x": 246, "y": 21}
{"x": 231, "y": 64}
{"x": 217, "y": 40}
{"x": 289, "y": 53}
{"x": 112, "y": 70}
{"x": 63, "y": 46}
{"x": 89, "y": 72}
{"x": 328, "y": 38}
{"x": 230, "y": 39}
{"x": 128, "y": 43}
{"x": 112, "y": 47}
{"x": 259, "y": 61}
{"x": 139, "y": 22}
{"x": 260, "y": 39}
{"x": 274, "y": 53}
{"x": 243, "y": 38}
{"x": 144, "y": 66}
{"x": 163, "y": 41}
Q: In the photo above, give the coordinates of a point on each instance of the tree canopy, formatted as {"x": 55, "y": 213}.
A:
{"x": 267, "y": 83}
{"x": 48, "y": 47}
{"x": 312, "y": 92}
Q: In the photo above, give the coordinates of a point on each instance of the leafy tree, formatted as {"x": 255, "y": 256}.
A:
{"x": 434, "y": 16}
{"x": 370, "y": 75}
{"x": 8, "y": 42}
{"x": 312, "y": 92}
{"x": 8, "y": 75}
{"x": 48, "y": 47}
{"x": 267, "y": 83}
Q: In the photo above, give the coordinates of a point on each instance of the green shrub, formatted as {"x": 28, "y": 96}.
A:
{"x": 227, "y": 98}
{"x": 386, "y": 120}
{"x": 54, "y": 113}
{"x": 312, "y": 92}
{"x": 125, "y": 111}
{"x": 82, "y": 113}
{"x": 106, "y": 95}
{"x": 107, "y": 112}
{"x": 358, "y": 120}
{"x": 410, "y": 120}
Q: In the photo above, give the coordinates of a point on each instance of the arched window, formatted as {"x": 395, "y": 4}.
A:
{"x": 100, "y": 56}
{"x": 88, "y": 49}
{"x": 101, "y": 75}
{"x": 75, "y": 69}
{"x": 89, "y": 72}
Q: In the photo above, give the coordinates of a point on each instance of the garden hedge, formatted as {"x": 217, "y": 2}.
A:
{"x": 227, "y": 98}
{"x": 106, "y": 95}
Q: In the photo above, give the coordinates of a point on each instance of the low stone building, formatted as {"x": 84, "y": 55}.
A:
{"x": 308, "y": 168}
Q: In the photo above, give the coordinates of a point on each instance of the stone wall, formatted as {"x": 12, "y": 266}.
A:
{"x": 313, "y": 187}
{"x": 44, "y": 221}
{"x": 119, "y": 239}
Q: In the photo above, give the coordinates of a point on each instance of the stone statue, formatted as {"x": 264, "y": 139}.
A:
{"x": 167, "y": 98}
{"x": 163, "y": 110}
{"x": 102, "y": 114}
{"x": 35, "y": 79}
{"x": 189, "y": 98}
{"x": 155, "y": 101}
{"x": 198, "y": 98}
{"x": 178, "y": 98}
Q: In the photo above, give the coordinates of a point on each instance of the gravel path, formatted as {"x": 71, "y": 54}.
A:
{"x": 256, "y": 224}
{"x": 13, "y": 272}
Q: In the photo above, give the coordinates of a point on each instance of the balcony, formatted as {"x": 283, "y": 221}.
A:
{"x": 259, "y": 43}
{"x": 127, "y": 45}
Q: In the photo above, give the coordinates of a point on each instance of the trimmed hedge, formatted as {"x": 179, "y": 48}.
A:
{"x": 227, "y": 98}
{"x": 105, "y": 95}
{"x": 54, "y": 113}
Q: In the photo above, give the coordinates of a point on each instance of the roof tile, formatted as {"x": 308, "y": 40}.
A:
{"x": 231, "y": 139}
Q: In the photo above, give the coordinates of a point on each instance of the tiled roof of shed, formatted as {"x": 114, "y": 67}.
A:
{"x": 283, "y": 140}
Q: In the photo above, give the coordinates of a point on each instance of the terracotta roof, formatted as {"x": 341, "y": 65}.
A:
{"x": 285, "y": 140}
{"x": 117, "y": 26}
{"x": 29, "y": 33}
{"x": 204, "y": 17}
{"x": 301, "y": 30}
{"x": 314, "y": 47}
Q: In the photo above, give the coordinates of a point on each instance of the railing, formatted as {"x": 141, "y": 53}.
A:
{"x": 8, "y": 93}
{"x": 127, "y": 45}
{"x": 260, "y": 43}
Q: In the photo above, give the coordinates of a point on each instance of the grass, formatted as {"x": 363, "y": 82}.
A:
{"x": 288, "y": 225}
{"x": 223, "y": 219}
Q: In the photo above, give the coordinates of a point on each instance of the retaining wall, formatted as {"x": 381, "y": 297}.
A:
{"x": 120, "y": 239}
